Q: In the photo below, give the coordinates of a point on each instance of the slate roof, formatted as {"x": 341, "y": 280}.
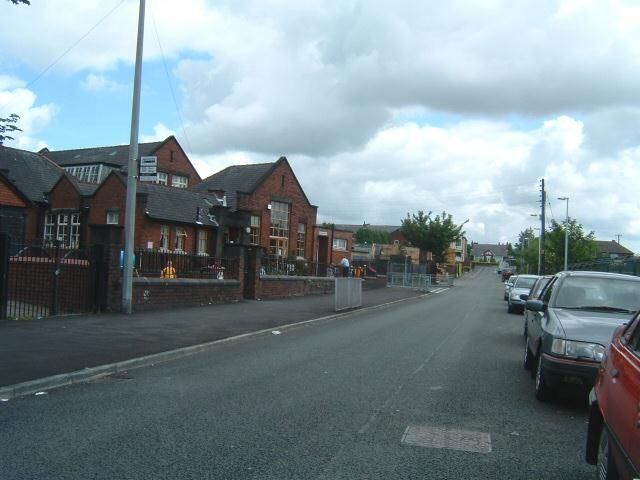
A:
{"x": 114, "y": 155}
{"x": 31, "y": 173}
{"x": 499, "y": 250}
{"x": 236, "y": 178}
{"x": 609, "y": 247}
{"x": 177, "y": 204}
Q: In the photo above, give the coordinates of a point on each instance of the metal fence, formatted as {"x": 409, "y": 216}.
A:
{"x": 630, "y": 266}
{"x": 150, "y": 263}
{"x": 419, "y": 281}
{"x": 348, "y": 293}
{"x": 39, "y": 280}
{"x": 274, "y": 265}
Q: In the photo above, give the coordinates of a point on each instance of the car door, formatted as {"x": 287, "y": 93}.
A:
{"x": 535, "y": 319}
{"x": 622, "y": 380}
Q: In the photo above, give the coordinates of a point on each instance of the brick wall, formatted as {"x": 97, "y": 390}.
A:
{"x": 158, "y": 293}
{"x": 64, "y": 195}
{"x": 9, "y": 197}
{"x": 172, "y": 160}
{"x": 336, "y": 254}
{"x": 284, "y": 287}
{"x": 283, "y": 186}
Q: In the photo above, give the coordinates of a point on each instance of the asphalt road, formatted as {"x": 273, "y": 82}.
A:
{"x": 369, "y": 396}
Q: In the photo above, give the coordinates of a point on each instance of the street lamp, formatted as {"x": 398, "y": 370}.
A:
{"x": 566, "y": 232}
{"x": 539, "y": 241}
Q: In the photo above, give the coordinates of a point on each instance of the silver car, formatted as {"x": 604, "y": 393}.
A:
{"x": 507, "y": 286}
{"x": 522, "y": 285}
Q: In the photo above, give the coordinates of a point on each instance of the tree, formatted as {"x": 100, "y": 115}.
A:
{"x": 369, "y": 235}
{"x": 432, "y": 234}
{"x": 16, "y": 2}
{"x": 8, "y": 125}
{"x": 582, "y": 247}
{"x": 526, "y": 251}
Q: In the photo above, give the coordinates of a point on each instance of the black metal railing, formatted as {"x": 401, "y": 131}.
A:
{"x": 275, "y": 265}
{"x": 151, "y": 263}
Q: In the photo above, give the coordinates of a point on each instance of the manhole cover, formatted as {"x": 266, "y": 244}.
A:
{"x": 435, "y": 437}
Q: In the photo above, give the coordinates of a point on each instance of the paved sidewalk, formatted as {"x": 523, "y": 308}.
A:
{"x": 35, "y": 349}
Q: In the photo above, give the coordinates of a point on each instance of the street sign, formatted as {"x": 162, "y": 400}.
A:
{"x": 148, "y": 169}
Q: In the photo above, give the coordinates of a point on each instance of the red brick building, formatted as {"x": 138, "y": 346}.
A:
{"x": 275, "y": 213}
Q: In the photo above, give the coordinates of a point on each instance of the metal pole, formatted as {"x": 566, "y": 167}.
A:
{"x": 542, "y": 226}
{"x": 130, "y": 210}
{"x": 566, "y": 232}
{"x": 539, "y": 250}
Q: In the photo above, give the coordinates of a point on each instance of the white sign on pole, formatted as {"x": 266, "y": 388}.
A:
{"x": 148, "y": 169}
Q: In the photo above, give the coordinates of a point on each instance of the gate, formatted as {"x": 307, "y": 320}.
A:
{"x": 41, "y": 280}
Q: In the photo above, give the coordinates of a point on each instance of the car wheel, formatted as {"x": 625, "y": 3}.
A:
{"x": 606, "y": 468}
{"x": 528, "y": 358}
{"x": 543, "y": 391}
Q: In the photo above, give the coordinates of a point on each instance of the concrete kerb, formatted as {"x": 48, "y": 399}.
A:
{"x": 88, "y": 374}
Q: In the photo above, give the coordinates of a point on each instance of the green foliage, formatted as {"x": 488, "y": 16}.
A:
{"x": 582, "y": 247}
{"x": 432, "y": 234}
{"x": 368, "y": 235}
{"x": 16, "y": 2}
{"x": 8, "y": 125}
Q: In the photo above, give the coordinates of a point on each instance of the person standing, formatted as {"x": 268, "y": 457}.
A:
{"x": 344, "y": 263}
{"x": 168, "y": 271}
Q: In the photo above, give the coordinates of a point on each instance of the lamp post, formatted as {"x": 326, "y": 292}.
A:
{"x": 566, "y": 232}
{"x": 539, "y": 242}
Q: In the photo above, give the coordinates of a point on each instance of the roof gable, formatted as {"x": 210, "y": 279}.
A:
{"x": 32, "y": 174}
{"x": 117, "y": 155}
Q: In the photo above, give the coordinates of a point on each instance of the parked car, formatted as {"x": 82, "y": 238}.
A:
{"x": 578, "y": 313}
{"x": 507, "y": 286}
{"x": 534, "y": 294}
{"x": 613, "y": 436}
{"x": 521, "y": 286}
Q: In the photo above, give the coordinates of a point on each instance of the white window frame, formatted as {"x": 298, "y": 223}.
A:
{"x": 340, "y": 244}
{"x": 203, "y": 237}
{"x": 181, "y": 239}
{"x": 63, "y": 227}
{"x": 165, "y": 237}
{"x": 302, "y": 240}
{"x": 179, "y": 181}
{"x": 162, "y": 178}
{"x": 113, "y": 217}
{"x": 254, "y": 234}
{"x": 279, "y": 230}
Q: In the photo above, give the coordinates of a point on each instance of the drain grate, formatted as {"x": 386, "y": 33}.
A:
{"x": 435, "y": 437}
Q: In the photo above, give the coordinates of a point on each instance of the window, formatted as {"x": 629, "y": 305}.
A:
{"x": 162, "y": 178}
{"x": 339, "y": 244}
{"x": 181, "y": 236}
{"x": 254, "y": 234}
{"x": 279, "y": 232}
{"x": 202, "y": 242}
{"x": 179, "y": 181}
{"x": 63, "y": 227}
{"x": 113, "y": 217}
{"x": 302, "y": 236}
{"x": 164, "y": 237}
{"x": 86, "y": 173}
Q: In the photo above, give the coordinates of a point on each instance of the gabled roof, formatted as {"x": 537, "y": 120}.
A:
{"x": 32, "y": 174}
{"x": 242, "y": 179}
{"x": 499, "y": 250}
{"x": 178, "y": 204}
{"x": 114, "y": 155}
{"x": 612, "y": 247}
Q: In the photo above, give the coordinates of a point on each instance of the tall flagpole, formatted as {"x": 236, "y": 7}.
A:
{"x": 132, "y": 172}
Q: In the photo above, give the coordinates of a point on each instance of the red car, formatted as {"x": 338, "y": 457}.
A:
{"x": 613, "y": 438}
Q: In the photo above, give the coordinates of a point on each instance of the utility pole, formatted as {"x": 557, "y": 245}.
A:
{"x": 132, "y": 173}
{"x": 618, "y": 235}
{"x": 543, "y": 201}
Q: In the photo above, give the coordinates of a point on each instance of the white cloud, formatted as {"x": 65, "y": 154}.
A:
{"x": 160, "y": 132}
{"x": 33, "y": 118}
{"x": 100, "y": 83}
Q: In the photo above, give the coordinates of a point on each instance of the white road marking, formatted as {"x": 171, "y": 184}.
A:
{"x": 435, "y": 437}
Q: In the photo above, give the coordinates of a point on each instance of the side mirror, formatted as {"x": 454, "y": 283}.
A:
{"x": 535, "y": 305}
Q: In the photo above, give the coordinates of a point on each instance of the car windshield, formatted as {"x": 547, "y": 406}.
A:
{"x": 599, "y": 293}
{"x": 525, "y": 282}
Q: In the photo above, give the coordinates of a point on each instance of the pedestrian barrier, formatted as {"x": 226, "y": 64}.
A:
{"x": 348, "y": 293}
{"x": 418, "y": 281}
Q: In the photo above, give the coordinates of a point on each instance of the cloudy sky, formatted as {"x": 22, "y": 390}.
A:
{"x": 382, "y": 108}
